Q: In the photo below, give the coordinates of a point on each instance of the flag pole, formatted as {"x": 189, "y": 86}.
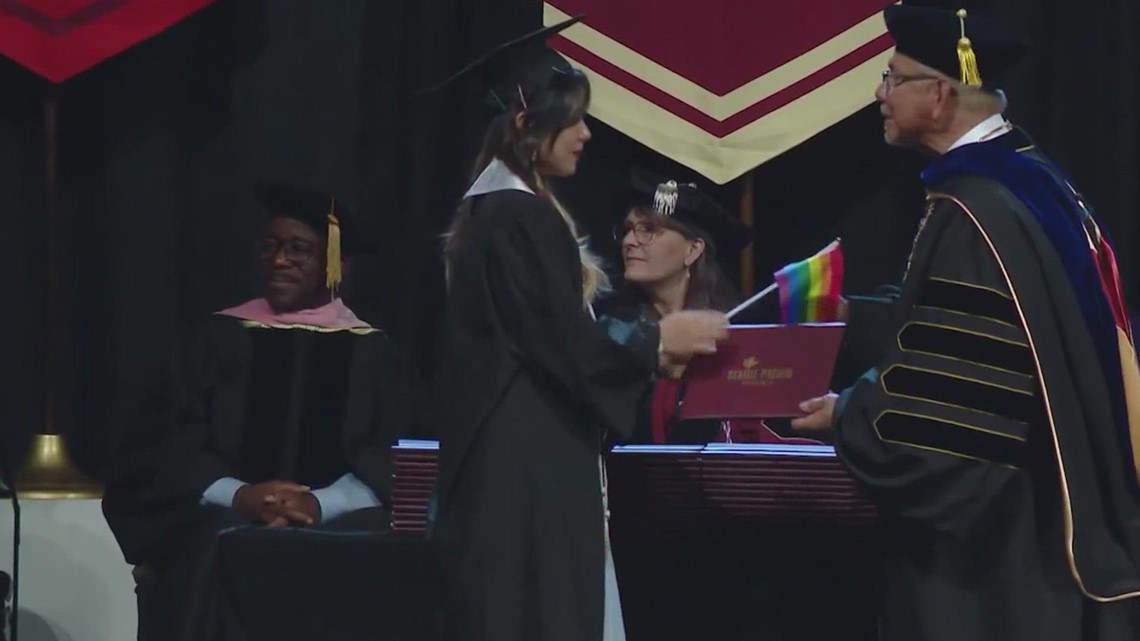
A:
{"x": 748, "y": 303}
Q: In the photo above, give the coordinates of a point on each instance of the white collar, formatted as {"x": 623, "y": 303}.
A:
{"x": 988, "y": 129}
{"x": 497, "y": 177}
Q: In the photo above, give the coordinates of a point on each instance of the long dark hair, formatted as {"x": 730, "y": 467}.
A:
{"x": 708, "y": 287}
{"x": 561, "y": 104}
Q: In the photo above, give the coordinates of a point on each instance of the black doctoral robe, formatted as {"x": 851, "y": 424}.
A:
{"x": 987, "y": 436}
{"x": 256, "y": 404}
{"x": 527, "y": 388}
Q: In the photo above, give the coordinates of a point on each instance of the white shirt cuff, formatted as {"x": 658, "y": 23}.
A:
{"x": 221, "y": 492}
{"x": 346, "y": 494}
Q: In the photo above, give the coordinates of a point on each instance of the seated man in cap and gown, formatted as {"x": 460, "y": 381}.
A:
{"x": 280, "y": 411}
{"x": 1000, "y": 435}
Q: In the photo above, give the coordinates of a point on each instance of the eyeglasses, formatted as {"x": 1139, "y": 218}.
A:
{"x": 892, "y": 78}
{"x": 643, "y": 232}
{"x": 295, "y": 251}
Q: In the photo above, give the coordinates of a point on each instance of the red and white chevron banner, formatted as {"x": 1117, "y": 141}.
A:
{"x": 723, "y": 86}
{"x": 60, "y": 38}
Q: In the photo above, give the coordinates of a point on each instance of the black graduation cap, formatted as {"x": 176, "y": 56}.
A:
{"x": 324, "y": 213}
{"x": 690, "y": 206}
{"x": 974, "y": 50}
{"x": 519, "y": 69}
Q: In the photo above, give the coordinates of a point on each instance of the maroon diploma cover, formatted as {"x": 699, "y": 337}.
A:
{"x": 762, "y": 371}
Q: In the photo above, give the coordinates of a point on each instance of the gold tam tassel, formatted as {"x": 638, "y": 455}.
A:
{"x": 332, "y": 252}
{"x": 967, "y": 61}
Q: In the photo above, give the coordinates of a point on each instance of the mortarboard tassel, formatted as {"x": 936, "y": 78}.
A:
{"x": 332, "y": 252}
{"x": 967, "y": 61}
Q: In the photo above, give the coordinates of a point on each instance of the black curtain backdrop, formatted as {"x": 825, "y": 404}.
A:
{"x": 159, "y": 147}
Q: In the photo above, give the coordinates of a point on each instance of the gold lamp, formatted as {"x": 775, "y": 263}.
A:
{"x": 48, "y": 471}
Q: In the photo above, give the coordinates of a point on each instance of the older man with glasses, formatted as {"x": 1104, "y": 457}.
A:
{"x": 1000, "y": 435}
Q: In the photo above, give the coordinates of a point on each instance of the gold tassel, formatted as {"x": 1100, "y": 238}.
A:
{"x": 332, "y": 252}
{"x": 967, "y": 61}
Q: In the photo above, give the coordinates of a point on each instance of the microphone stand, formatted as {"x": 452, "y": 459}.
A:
{"x": 6, "y": 480}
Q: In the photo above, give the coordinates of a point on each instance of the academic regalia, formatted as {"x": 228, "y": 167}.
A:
{"x": 253, "y": 395}
{"x": 994, "y": 436}
{"x": 724, "y": 235}
{"x": 529, "y": 386}
{"x": 685, "y": 204}
{"x": 867, "y": 335}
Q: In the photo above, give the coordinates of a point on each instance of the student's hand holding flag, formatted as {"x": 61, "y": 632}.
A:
{"x": 687, "y": 333}
{"x": 670, "y": 367}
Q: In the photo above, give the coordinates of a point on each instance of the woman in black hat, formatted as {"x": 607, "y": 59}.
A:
{"x": 671, "y": 238}
{"x": 674, "y": 239}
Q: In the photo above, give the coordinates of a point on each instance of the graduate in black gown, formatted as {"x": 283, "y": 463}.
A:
{"x": 998, "y": 436}
{"x": 529, "y": 385}
{"x": 278, "y": 412}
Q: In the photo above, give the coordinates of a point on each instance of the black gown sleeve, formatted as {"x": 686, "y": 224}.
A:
{"x": 937, "y": 432}
{"x": 867, "y": 336}
{"x": 163, "y": 463}
{"x": 533, "y": 277}
{"x": 391, "y": 419}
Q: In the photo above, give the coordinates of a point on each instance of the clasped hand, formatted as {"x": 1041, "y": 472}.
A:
{"x": 278, "y": 503}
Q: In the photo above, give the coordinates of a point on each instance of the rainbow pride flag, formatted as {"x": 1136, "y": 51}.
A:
{"x": 810, "y": 289}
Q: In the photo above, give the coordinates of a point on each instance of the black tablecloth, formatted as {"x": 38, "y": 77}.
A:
{"x": 309, "y": 584}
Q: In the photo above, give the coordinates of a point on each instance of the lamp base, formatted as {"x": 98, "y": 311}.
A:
{"x": 48, "y": 473}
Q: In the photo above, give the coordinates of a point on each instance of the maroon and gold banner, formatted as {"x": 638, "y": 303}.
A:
{"x": 60, "y": 38}
{"x": 722, "y": 86}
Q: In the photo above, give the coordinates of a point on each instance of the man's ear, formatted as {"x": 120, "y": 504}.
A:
{"x": 945, "y": 94}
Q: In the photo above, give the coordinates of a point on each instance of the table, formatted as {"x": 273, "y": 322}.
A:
{"x": 720, "y": 541}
